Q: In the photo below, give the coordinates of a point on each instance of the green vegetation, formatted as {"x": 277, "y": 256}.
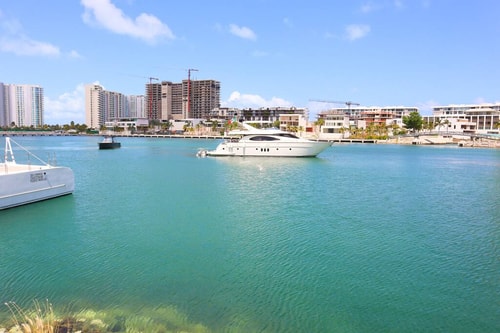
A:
{"x": 43, "y": 319}
{"x": 413, "y": 121}
{"x": 374, "y": 131}
{"x": 80, "y": 128}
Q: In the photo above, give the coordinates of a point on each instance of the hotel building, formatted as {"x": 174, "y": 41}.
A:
{"x": 21, "y": 105}
{"x": 467, "y": 118}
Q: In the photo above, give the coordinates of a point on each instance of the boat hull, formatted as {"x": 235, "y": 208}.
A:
{"x": 109, "y": 145}
{"x": 274, "y": 149}
{"x": 20, "y": 187}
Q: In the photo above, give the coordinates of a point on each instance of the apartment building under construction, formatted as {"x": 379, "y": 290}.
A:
{"x": 186, "y": 100}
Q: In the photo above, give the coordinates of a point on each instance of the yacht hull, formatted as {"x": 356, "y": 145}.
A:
{"x": 24, "y": 184}
{"x": 275, "y": 149}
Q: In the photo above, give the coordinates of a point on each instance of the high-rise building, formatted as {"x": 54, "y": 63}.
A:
{"x": 136, "y": 106}
{"x": 21, "y": 105}
{"x": 153, "y": 101}
{"x": 189, "y": 99}
{"x": 171, "y": 101}
{"x": 103, "y": 106}
{"x": 4, "y": 120}
{"x": 201, "y": 97}
{"x": 94, "y": 105}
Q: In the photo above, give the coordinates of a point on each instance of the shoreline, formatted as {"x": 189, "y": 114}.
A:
{"x": 404, "y": 140}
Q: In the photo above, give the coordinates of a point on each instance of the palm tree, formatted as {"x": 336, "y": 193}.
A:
{"x": 214, "y": 126}
{"x": 318, "y": 124}
{"x": 438, "y": 124}
{"x": 381, "y": 131}
{"x": 300, "y": 129}
{"x": 354, "y": 131}
{"x": 343, "y": 130}
{"x": 394, "y": 128}
{"x": 167, "y": 125}
{"x": 447, "y": 123}
{"x": 130, "y": 127}
{"x": 186, "y": 126}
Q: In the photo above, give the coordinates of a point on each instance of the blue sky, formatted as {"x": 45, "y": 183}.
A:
{"x": 265, "y": 53}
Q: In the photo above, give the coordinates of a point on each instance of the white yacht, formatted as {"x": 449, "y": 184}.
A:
{"x": 26, "y": 183}
{"x": 266, "y": 142}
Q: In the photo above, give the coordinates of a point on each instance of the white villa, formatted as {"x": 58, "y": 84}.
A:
{"x": 467, "y": 118}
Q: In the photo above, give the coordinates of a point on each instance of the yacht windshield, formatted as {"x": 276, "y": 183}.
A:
{"x": 263, "y": 138}
{"x": 289, "y": 135}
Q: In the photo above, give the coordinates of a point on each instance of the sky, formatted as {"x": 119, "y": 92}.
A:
{"x": 265, "y": 53}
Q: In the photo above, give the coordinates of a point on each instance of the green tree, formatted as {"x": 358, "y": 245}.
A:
{"x": 318, "y": 124}
{"x": 215, "y": 125}
{"x": 198, "y": 128}
{"x": 413, "y": 121}
{"x": 166, "y": 125}
{"x": 438, "y": 123}
{"x": 446, "y": 123}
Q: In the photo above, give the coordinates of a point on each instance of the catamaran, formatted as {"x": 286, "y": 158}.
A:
{"x": 22, "y": 184}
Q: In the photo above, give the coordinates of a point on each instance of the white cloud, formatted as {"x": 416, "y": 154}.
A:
{"x": 425, "y": 108}
{"x": 65, "y": 108}
{"x": 426, "y": 3}
{"x": 287, "y": 22}
{"x": 105, "y": 14}
{"x": 13, "y": 40}
{"x": 74, "y": 54}
{"x": 329, "y": 35}
{"x": 239, "y": 100}
{"x": 482, "y": 100}
{"x": 23, "y": 45}
{"x": 356, "y": 31}
{"x": 398, "y": 4}
{"x": 242, "y": 32}
{"x": 369, "y": 7}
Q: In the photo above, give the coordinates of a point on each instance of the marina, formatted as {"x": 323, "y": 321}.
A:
{"x": 361, "y": 238}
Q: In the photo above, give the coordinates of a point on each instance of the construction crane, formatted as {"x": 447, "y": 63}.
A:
{"x": 189, "y": 91}
{"x": 348, "y": 103}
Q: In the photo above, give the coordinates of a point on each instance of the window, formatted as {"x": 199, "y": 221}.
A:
{"x": 263, "y": 138}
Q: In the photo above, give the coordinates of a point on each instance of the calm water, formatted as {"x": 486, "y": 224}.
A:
{"x": 364, "y": 238}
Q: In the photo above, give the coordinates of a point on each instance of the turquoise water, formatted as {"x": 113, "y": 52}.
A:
{"x": 364, "y": 238}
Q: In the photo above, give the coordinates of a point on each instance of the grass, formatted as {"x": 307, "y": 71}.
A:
{"x": 43, "y": 319}
{"x": 39, "y": 320}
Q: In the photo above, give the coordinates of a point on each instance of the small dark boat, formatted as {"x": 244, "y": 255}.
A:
{"x": 109, "y": 143}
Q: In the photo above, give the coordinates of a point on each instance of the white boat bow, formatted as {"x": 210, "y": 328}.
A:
{"x": 22, "y": 184}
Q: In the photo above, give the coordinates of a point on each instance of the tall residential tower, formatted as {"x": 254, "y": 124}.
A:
{"x": 21, "y": 105}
